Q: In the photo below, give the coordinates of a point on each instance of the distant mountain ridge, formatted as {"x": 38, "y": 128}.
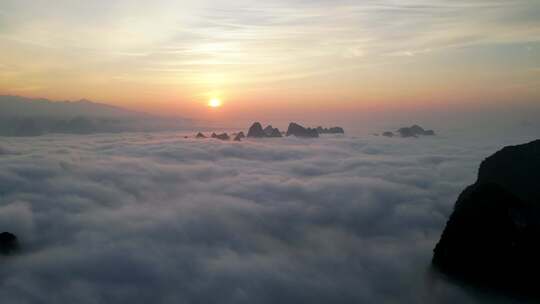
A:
{"x": 22, "y": 106}
{"x": 20, "y": 116}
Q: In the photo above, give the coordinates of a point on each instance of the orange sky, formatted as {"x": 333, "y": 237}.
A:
{"x": 172, "y": 57}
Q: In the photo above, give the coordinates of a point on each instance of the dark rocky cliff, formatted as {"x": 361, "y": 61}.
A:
{"x": 492, "y": 238}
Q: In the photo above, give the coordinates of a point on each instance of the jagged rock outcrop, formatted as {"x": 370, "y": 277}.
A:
{"x": 295, "y": 129}
{"x": 299, "y": 131}
{"x": 268, "y": 130}
{"x": 239, "y": 136}
{"x": 492, "y": 238}
{"x": 332, "y": 130}
{"x": 256, "y": 131}
{"x": 275, "y": 133}
{"x": 222, "y": 136}
{"x": 8, "y": 243}
{"x": 200, "y": 135}
{"x": 336, "y": 130}
{"x": 414, "y": 131}
{"x": 272, "y": 132}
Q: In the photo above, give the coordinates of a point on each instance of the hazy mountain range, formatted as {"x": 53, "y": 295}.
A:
{"x": 20, "y": 116}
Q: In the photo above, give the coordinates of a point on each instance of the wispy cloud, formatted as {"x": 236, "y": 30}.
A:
{"x": 192, "y": 42}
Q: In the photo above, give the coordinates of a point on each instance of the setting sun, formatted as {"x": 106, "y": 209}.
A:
{"x": 214, "y": 103}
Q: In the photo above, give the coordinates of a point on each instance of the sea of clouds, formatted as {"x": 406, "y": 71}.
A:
{"x": 157, "y": 218}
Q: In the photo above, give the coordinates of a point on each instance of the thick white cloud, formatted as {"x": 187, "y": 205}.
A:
{"x": 155, "y": 218}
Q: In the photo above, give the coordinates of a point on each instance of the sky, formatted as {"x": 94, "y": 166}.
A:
{"x": 264, "y": 58}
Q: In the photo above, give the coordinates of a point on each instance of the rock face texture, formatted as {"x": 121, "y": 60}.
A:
{"x": 414, "y": 131}
{"x": 222, "y": 136}
{"x": 239, "y": 136}
{"x": 274, "y": 133}
{"x": 268, "y": 130}
{"x": 299, "y": 131}
{"x": 8, "y": 243}
{"x": 256, "y": 131}
{"x": 492, "y": 238}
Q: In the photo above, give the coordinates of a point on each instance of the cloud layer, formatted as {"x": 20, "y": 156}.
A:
{"x": 155, "y": 218}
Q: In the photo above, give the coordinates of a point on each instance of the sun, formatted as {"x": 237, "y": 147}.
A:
{"x": 214, "y": 103}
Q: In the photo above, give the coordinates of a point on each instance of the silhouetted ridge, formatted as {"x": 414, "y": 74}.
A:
{"x": 272, "y": 132}
{"x": 414, "y": 131}
{"x": 299, "y": 131}
{"x": 332, "y": 130}
{"x": 21, "y": 116}
{"x": 256, "y": 130}
{"x": 492, "y": 238}
{"x": 239, "y": 136}
{"x": 8, "y": 243}
{"x": 222, "y": 136}
{"x": 268, "y": 130}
